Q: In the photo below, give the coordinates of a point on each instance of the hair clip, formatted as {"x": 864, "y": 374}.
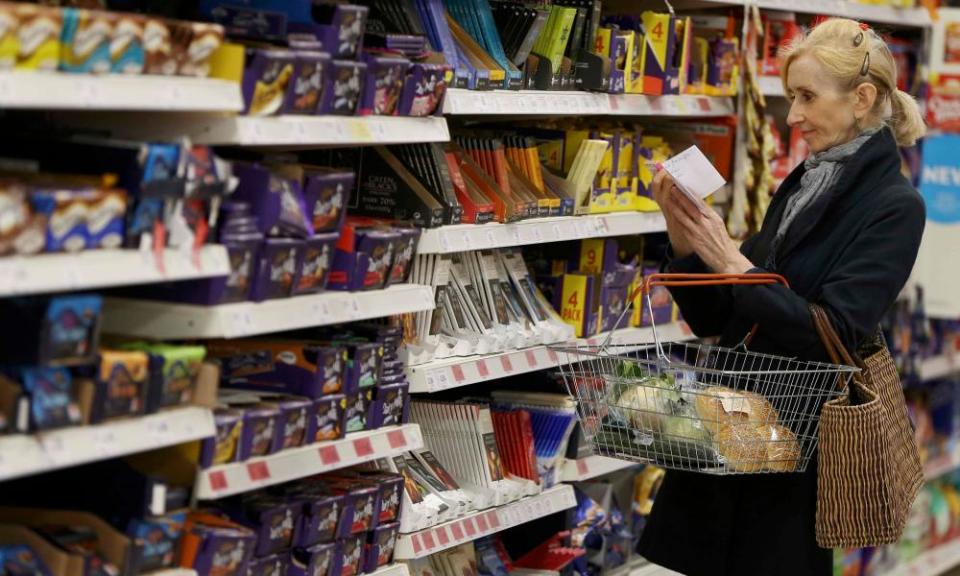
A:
{"x": 865, "y": 69}
{"x": 858, "y": 39}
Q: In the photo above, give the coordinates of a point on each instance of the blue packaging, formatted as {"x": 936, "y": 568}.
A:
{"x": 85, "y": 41}
{"x": 158, "y": 539}
{"x": 127, "y": 55}
{"x": 51, "y": 398}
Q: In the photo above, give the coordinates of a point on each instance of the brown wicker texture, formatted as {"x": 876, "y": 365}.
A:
{"x": 869, "y": 469}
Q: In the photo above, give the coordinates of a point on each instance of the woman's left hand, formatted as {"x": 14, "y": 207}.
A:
{"x": 707, "y": 235}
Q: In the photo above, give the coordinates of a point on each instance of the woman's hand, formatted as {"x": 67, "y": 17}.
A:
{"x": 663, "y": 189}
{"x": 707, "y": 236}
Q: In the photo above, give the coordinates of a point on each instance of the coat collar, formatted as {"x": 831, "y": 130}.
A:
{"x": 876, "y": 160}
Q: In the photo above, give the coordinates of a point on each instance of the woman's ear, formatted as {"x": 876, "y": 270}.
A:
{"x": 865, "y": 96}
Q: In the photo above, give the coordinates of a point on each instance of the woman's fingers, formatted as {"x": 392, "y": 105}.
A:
{"x": 685, "y": 204}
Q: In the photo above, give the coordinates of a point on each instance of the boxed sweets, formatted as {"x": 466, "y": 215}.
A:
{"x": 222, "y": 448}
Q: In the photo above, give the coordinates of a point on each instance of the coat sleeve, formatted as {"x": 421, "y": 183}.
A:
{"x": 856, "y": 294}
{"x": 707, "y": 309}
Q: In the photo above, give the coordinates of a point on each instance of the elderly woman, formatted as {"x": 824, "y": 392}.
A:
{"x": 844, "y": 229}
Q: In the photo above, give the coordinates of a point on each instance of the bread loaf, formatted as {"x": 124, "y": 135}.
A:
{"x": 743, "y": 446}
{"x": 718, "y": 406}
{"x": 783, "y": 450}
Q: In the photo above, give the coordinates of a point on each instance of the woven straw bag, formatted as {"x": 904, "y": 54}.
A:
{"x": 869, "y": 469}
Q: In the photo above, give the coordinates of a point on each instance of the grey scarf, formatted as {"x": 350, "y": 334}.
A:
{"x": 822, "y": 171}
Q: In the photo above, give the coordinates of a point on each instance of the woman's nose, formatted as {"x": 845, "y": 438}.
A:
{"x": 795, "y": 116}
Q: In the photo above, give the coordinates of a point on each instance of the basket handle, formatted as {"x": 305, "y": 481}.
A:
{"x": 671, "y": 280}
{"x": 831, "y": 341}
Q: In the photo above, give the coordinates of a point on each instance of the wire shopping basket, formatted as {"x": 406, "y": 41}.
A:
{"x": 696, "y": 407}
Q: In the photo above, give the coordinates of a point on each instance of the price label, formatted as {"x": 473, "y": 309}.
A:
{"x": 396, "y": 439}
{"x": 159, "y": 430}
{"x": 8, "y": 276}
{"x": 445, "y": 242}
{"x": 482, "y": 368}
{"x": 321, "y": 312}
{"x": 457, "y": 373}
{"x": 469, "y": 527}
{"x": 431, "y": 382}
{"x": 582, "y": 467}
{"x": 515, "y": 235}
{"x": 258, "y": 471}
{"x": 417, "y": 546}
{"x": 552, "y": 354}
{"x": 354, "y": 308}
{"x": 443, "y": 381}
{"x": 493, "y": 519}
{"x": 241, "y": 323}
{"x": 5, "y": 85}
{"x": 89, "y": 92}
{"x": 457, "y": 531}
{"x": 531, "y": 358}
{"x": 506, "y": 364}
{"x": 359, "y": 130}
{"x": 72, "y": 277}
{"x": 491, "y": 239}
{"x": 442, "y": 537}
{"x": 329, "y": 455}
{"x": 685, "y": 329}
{"x": 55, "y": 449}
{"x": 681, "y": 105}
{"x": 218, "y": 481}
{"x": 557, "y": 234}
{"x": 467, "y": 242}
{"x": 482, "y": 524}
{"x": 537, "y": 234}
{"x": 363, "y": 447}
{"x": 704, "y": 104}
{"x": 428, "y": 541}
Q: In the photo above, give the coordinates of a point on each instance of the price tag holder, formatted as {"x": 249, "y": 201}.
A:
{"x": 329, "y": 455}
{"x": 396, "y": 439}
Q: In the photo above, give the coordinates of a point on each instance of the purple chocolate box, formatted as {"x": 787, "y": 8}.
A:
{"x": 314, "y": 561}
{"x": 275, "y": 520}
{"x": 259, "y": 431}
{"x": 294, "y": 421}
{"x": 391, "y": 405}
{"x": 222, "y": 448}
{"x": 383, "y": 86}
{"x": 382, "y": 540}
{"x": 223, "y": 551}
{"x": 342, "y": 96}
{"x": 306, "y": 88}
{"x": 276, "y": 565}
{"x": 330, "y": 418}
{"x": 359, "y": 411}
{"x": 424, "y": 90}
{"x": 277, "y": 269}
{"x": 349, "y": 555}
{"x": 265, "y": 79}
{"x": 320, "y": 520}
{"x": 341, "y": 29}
{"x": 326, "y": 195}
{"x": 360, "y": 501}
{"x": 315, "y": 262}
{"x": 404, "y": 248}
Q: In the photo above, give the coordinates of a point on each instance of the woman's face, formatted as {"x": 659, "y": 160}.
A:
{"x": 822, "y": 113}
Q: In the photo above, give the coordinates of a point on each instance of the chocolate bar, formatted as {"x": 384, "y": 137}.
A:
{"x": 265, "y": 80}
{"x": 222, "y": 448}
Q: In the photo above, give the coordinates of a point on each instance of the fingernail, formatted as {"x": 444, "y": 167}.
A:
{"x": 658, "y": 166}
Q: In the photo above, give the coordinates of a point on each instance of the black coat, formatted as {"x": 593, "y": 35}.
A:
{"x": 851, "y": 252}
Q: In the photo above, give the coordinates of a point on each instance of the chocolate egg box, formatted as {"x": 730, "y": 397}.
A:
{"x": 297, "y": 367}
{"x": 383, "y": 87}
{"x": 120, "y": 387}
{"x": 274, "y": 197}
{"x": 389, "y": 487}
{"x": 51, "y": 331}
{"x": 266, "y": 76}
{"x": 326, "y": 193}
{"x": 296, "y": 417}
{"x": 273, "y": 518}
{"x": 338, "y": 27}
{"x": 277, "y": 270}
{"x": 381, "y": 542}
{"x": 313, "y": 561}
{"x": 222, "y": 448}
{"x": 316, "y": 259}
{"x": 330, "y": 418}
{"x": 345, "y": 89}
{"x": 309, "y": 82}
{"x": 363, "y": 258}
{"x": 215, "y": 545}
{"x": 39, "y": 29}
{"x": 404, "y": 249}
{"x": 85, "y": 40}
{"x": 258, "y": 435}
{"x": 424, "y": 90}
{"x": 360, "y": 505}
{"x": 391, "y": 405}
{"x": 276, "y": 565}
{"x": 359, "y": 411}
{"x": 348, "y": 560}
{"x": 50, "y": 392}
{"x": 320, "y": 517}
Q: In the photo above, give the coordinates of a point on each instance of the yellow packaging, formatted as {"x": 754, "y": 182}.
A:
{"x": 227, "y": 62}
{"x": 571, "y": 146}
{"x": 591, "y": 255}
{"x": 38, "y": 37}
{"x": 578, "y": 306}
{"x": 684, "y": 30}
{"x": 634, "y": 83}
{"x": 602, "y": 42}
{"x": 637, "y": 298}
{"x": 629, "y": 37}
{"x": 9, "y": 42}
{"x": 654, "y": 55}
{"x": 551, "y": 154}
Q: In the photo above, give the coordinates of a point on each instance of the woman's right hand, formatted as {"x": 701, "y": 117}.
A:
{"x": 663, "y": 188}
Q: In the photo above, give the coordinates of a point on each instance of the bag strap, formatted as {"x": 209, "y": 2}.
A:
{"x": 831, "y": 341}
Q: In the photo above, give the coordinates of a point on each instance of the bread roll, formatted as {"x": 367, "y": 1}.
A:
{"x": 743, "y": 446}
{"x": 761, "y": 411}
{"x": 718, "y": 406}
{"x": 783, "y": 450}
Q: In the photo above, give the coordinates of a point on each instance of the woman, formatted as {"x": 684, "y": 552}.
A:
{"x": 844, "y": 229}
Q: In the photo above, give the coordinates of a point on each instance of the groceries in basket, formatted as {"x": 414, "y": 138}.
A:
{"x": 686, "y": 423}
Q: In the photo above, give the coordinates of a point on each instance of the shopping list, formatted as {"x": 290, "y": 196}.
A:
{"x": 694, "y": 175}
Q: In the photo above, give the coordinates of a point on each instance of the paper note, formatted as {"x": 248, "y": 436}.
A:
{"x": 694, "y": 175}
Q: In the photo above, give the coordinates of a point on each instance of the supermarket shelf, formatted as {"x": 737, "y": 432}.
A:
{"x": 943, "y": 464}
{"x": 62, "y": 91}
{"x": 168, "y": 321}
{"x": 106, "y": 268}
{"x": 933, "y": 562}
{"x": 556, "y": 103}
{"x": 464, "y": 237}
{"x": 455, "y": 372}
{"x": 771, "y": 86}
{"x": 591, "y": 467}
{"x": 939, "y": 367}
{"x": 284, "y": 131}
{"x": 239, "y": 477}
{"x": 398, "y": 569}
{"x": 653, "y": 570}
{"x": 22, "y": 455}
{"x": 483, "y": 523}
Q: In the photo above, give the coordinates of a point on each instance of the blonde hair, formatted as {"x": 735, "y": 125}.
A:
{"x": 852, "y": 54}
